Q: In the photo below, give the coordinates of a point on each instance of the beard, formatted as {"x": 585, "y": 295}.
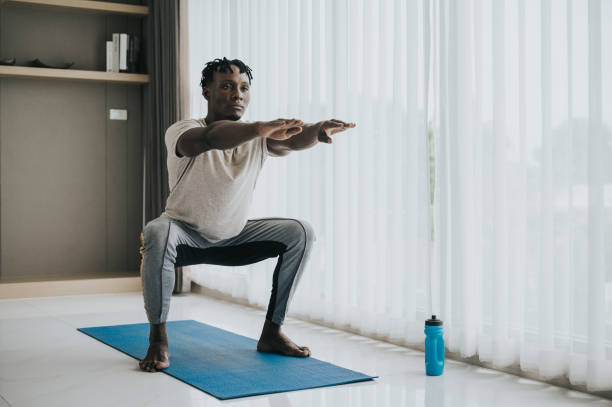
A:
{"x": 234, "y": 116}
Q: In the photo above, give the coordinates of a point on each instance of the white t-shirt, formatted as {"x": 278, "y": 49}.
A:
{"x": 212, "y": 192}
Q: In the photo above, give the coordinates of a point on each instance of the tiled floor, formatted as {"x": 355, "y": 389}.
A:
{"x": 45, "y": 361}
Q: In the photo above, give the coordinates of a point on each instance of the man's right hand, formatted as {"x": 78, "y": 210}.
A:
{"x": 280, "y": 129}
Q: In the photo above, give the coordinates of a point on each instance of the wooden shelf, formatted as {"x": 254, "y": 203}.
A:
{"x": 103, "y": 7}
{"x": 72, "y": 74}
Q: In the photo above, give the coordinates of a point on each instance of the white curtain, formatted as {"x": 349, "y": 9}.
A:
{"x": 519, "y": 97}
{"x": 367, "y": 194}
{"x": 523, "y": 216}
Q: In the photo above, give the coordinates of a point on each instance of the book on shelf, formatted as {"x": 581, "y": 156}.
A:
{"x": 115, "y": 52}
{"x": 123, "y": 44}
{"x": 109, "y": 56}
{"x": 133, "y": 56}
{"x": 123, "y": 53}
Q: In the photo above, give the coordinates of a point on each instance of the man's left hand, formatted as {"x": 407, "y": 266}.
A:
{"x": 329, "y": 127}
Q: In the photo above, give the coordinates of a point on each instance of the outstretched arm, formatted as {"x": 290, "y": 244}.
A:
{"x": 311, "y": 134}
{"x": 228, "y": 134}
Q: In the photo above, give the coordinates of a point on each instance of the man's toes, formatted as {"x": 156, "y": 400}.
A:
{"x": 161, "y": 365}
{"x": 300, "y": 352}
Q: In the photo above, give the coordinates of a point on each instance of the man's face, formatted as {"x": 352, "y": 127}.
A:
{"x": 228, "y": 95}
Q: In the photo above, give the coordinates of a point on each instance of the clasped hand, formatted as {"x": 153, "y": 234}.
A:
{"x": 283, "y": 129}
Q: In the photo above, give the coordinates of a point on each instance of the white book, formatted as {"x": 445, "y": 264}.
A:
{"x": 109, "y": 56}
{"x": 123, "y": 45}
{"x": 115, "y": 52}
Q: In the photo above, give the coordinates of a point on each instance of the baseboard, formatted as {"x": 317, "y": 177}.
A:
{"x": 75, "y": 286}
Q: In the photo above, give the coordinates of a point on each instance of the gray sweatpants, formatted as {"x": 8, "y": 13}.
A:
{"x": 167, "y": 243}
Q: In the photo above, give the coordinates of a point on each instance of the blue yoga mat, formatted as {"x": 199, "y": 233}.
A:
{"x": 224, "y": 364}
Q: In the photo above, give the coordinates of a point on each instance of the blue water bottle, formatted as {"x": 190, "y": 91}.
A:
{"x": 434, "y": 347}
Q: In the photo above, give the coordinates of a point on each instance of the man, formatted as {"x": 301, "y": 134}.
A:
{"x": 213, "y": 165}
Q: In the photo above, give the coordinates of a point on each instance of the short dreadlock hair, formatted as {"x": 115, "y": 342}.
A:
{"x": 222, "y": 65}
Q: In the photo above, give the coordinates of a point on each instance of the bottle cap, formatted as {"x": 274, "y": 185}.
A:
{"x": 433, "y": 321}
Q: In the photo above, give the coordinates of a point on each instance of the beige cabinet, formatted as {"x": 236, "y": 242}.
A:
{"x": 70, "y": 178}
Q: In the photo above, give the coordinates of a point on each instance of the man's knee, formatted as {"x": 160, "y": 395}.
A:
{"x": 302, "y": 231}
{"x": 155, "y": 232}
{"x": 309, "y": 230}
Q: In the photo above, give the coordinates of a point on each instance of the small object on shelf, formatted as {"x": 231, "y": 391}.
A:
{"x": 133, "y": 54}
{"x": 39, "y": 64}
{"x": 8, "y": 61}
{"x": 123, "y": 53}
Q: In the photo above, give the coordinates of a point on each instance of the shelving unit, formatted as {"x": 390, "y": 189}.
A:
{"x": 72, "y": 74}
{"x": 85, "y": 197}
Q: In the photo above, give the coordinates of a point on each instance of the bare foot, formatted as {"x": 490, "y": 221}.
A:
{"x": 157, "y": 357}
{"x": 272, "y": 340}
